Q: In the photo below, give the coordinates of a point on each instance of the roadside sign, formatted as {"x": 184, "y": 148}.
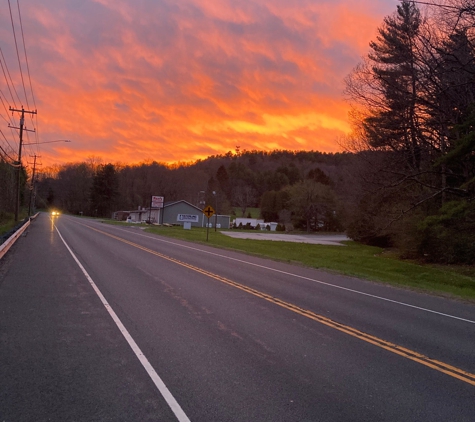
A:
{"x": 157, "y": 202}
{"x": 208, "y": 211}
{"x": 190, "y": 218}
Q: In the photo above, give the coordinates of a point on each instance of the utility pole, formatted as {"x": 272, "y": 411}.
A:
{"x": 32, "y": 189}
{"x": 22, "y": 122}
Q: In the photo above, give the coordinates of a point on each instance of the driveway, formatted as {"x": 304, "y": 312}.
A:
{"x": 319, "y": 239}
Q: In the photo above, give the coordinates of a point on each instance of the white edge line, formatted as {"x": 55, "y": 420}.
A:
{"x": 308, "y": 279}
{"x": 164, "y": 391}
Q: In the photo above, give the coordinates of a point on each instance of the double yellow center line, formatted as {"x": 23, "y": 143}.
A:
{"x": 394, "y": 348}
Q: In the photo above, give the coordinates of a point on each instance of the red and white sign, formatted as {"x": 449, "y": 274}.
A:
{"x": 157, "y": 201}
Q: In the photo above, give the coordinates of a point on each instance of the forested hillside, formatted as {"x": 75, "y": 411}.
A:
{"x": 307, "y": 190}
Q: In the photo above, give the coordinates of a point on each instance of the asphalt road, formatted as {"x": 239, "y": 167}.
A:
{"x": 114, "y": 324}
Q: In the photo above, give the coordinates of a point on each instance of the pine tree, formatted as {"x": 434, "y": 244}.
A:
{"x": 394, "y": 124}
{"x": 104, "y": 191}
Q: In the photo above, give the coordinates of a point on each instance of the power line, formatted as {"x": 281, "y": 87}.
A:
{"x": 26, "y": 56}
{"x": 435, "y": 4}
{"x": 461, "y": 10}
{"x": 5, "y": 108}
{"x": 6, "y": 154}
{"x": 27, "y": 68}
{"x": 4, "y": 137}
{"x": 9, "y": 122}
{"x": 9, "y": 77}
{"x": 18, "y": 54}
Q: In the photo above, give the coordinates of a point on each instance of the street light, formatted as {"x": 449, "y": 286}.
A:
{"x": 216, "y": 212}
{"x": 201, "y": 198}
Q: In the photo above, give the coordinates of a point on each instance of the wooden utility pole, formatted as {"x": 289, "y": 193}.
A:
{"x": 22, "y": 122}
{"x": 32, "y": 189}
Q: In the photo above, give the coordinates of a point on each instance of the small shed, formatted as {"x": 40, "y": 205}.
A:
{"x": 137, "y": 216}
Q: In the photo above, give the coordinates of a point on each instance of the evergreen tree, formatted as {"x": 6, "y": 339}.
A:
{"x": 104, "y": 191}
{"x": 222, "y": 178}
{"x": 319, "y": 176}
{"x": 394, "y": 124}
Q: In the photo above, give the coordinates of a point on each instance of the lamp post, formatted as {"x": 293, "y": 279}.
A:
{"x": 201, "y": 198}
{"x": 216, "y": 211}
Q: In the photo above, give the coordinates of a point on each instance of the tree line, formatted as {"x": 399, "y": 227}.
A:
{"x": 301, "y": 189}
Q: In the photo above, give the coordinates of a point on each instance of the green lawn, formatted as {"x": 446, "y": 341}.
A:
{"x": 255, "y": 212}
{"x": 354, "y": 259}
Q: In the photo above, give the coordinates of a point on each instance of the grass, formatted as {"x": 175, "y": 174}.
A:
{"x": 255, "y": 212}
{"x": 7, "y": 221}
{"x": 354, "y": 259}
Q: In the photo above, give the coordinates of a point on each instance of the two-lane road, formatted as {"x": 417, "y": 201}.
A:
{"x": 214, "y": 335}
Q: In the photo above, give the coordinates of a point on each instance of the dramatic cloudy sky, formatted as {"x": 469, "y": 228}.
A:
{"x": 178, "y": 80}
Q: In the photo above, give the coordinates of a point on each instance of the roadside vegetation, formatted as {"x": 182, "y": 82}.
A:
{"x": 249, "y": 213}
{"x": 353, "y": 259}
{"x": 7, "y": 222}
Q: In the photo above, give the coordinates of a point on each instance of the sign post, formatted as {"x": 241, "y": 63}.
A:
{"x": 156, "y": 202}
{"x": 208, "y": 211}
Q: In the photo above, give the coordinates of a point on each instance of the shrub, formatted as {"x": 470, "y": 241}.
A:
{"x": 449, "y": 236}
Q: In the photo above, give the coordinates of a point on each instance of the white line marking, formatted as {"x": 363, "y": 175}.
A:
{"x": 162, "y": 388}
{"x": 305, "y": 278}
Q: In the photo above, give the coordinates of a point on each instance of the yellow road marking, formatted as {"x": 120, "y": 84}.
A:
{"x": 392, "y": 347}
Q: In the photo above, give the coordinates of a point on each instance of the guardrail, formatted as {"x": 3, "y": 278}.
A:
{"x": 14, "y": 237}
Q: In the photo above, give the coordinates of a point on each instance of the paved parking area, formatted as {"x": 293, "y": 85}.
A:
{"x": 320, "y": 239}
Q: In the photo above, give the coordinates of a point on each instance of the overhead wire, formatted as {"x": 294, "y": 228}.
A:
{"x": 26, "y": 56}
{"x": 9, "y": 121}
{"x": 18, "y": 55}
{"x": 4, "y": 154}
{"x": 11, "y": 86}
{"x": 2, "y": 95}
{"x": 8, "y": 79}
{"x": 446, "y": 6}
{"x": 461, "y": 10}
{"x": 28, "y": 69}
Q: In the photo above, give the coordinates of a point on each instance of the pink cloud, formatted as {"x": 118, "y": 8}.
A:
{"x": 177, "y": 81}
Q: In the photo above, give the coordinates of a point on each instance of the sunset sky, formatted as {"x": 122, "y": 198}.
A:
{"x": 178, "y": 80}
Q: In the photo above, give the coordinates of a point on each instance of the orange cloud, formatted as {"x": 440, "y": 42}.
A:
{"x": 177, "y": 81}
